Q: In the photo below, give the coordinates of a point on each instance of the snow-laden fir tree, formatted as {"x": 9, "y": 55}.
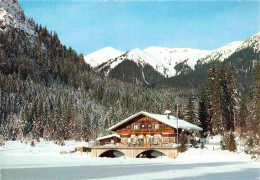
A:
{"x": 203, "y": 114}
{"x": 190, "y": 113}
{"x": 214, "y": 107}
{"x": 222, "y": 98}
{"x": 243, "y": 115}
{"x": 228, "y": 142}
{"x": 254, "y": 109}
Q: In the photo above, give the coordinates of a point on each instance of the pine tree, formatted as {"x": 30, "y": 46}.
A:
{"x": 203, "y": 115}
{"x": 85, "y": 127}
{"x": 232, "y": 144}
{"x": 243, "y": 114}
{"x": 228, "y": 142}
{"x": 229, "y": 96}
{"x": 190, "y": 113}
{"x": 214, "y": 94}
{"x": 221, "y": 99}
{"x": 254, "y": 108}
{"x": 39, "y": 121}
{"x": 16, "y": 129}
{"x": 183, "y": 142}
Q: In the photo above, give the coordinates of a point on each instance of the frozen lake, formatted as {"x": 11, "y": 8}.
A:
{"x": 20, "y": 162}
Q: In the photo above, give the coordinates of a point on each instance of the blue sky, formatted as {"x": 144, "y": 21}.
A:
{"x": 88, "y": 26}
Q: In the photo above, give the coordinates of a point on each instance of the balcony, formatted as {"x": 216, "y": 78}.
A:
{"x": 146, "y": 131}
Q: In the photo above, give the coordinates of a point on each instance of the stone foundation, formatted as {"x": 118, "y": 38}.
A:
{"x": 133, "y": 152}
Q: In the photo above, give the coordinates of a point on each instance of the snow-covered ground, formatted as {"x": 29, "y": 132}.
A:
{"x": 20, "y": 161}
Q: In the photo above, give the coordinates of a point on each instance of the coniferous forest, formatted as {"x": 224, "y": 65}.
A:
{"x": 48, "y": 92}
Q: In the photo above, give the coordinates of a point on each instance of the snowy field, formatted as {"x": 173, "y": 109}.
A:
{"x": 19, "y": 161}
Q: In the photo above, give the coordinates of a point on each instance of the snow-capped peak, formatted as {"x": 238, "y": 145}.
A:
{"x": 222, "y": 53}
{"x": 141, "y": 57}
{"x": 12, "y": 16}
{"x": 103, "y": 55}
{"x": 170, "y": 57}
{"x": 253, "y": 42}
{"x": 229, "y": 48}
{"x": 138, "y": 56}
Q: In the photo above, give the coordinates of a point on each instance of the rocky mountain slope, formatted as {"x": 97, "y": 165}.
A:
{"x": 12, "y": 16}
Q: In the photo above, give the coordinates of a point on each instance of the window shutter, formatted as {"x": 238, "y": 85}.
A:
{"x": 153, "y": 126}
{"x": 138, "y": 126}
{"x": 132, "y": 126}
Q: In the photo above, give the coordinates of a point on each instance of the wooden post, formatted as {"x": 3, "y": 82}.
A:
{"x": 177, "y": 129}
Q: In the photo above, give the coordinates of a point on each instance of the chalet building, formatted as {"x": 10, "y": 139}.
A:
{"x": 146, "y": 129}
{"x": 112, "y": 139}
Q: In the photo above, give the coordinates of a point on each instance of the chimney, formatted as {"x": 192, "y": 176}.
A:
{"x": 167, "y": 113}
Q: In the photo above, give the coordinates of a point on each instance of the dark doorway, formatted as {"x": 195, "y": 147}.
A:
{"x": 112, "y": 154}
{"x": 150, "y": 154}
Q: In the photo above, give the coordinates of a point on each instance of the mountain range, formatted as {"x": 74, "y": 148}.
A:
{"x": 152, "y": 64}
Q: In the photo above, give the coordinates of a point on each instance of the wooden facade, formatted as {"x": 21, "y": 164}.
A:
{"x": 145, "y": 131}
{"x": 110, "y": 140}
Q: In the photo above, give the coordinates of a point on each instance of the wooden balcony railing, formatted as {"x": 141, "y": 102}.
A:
{"x": 145, "y": 131}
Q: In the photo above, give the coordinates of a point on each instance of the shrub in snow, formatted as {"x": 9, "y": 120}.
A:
{"x": 250, "y": 143}
{"x": 60, "y": 142}
{"x": 253, "y": 157}
{"x": 32, "y": 144}
{"x": 202, "y": 145}
{"x": 193, "y": 142}
{"x": 183, "y": 141}
{"x": 228, "y": 142}
{"x": 2, "y": 142}
{"x": 29, "y": 138}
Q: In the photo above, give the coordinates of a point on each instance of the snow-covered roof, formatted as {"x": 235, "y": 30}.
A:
{"x": 167, "y": 112}
{"x": 163, "y": 119}
{"x": 108, "y": 136}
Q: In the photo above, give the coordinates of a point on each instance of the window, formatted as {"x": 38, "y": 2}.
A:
{"x": 136, "y": 126}
{"x": 135, "y": 139}
{"x": 143, "y": 125}
{"x": 171, "y": 140}
{"x": 156, "y": 126}
{"x": 156, "y": 139}
{"x": 124, "y": 140}
{"x": 149, "y": 125}
{"x": 166, "y": 140}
